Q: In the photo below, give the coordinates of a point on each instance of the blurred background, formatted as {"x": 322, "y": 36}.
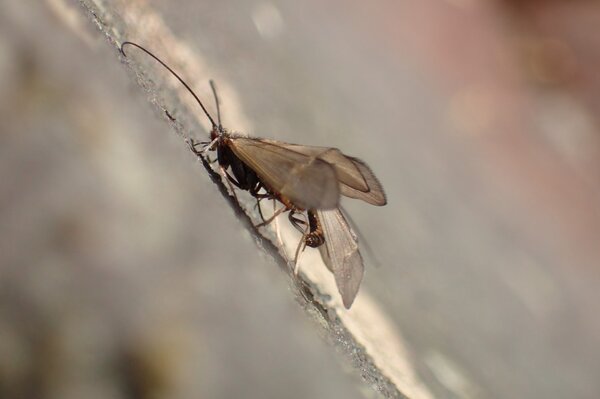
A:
{"x": 123, "y": 273}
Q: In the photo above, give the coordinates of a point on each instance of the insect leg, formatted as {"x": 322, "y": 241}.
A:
{"x": 192, "y": 144}
{"x": 229, "y": 180}
{"x": 301, "y": 244}
{"x": 258, "y": 199}
{"x": 297, "y": 222}
{"x": 254, "y": 192}
{"x": 299, "y": 250}
{"x": 278, "y": 234}
{"x": 260, "y": 209}
{"x": 275, "y": 214}
{"x": 205, "y": 144}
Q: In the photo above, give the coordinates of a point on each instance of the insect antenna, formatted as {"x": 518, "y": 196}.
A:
{"x": 177, "y": 76}
{"x": 214, "y": 90}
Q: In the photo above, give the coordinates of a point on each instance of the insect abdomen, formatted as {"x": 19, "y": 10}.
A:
{"x": 315, "y": 237}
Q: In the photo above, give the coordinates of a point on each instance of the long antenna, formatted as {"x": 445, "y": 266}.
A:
{"x": 214, "y": 90}
{"x": 178, "y": 78}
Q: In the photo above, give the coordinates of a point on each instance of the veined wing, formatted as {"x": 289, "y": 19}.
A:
{"x": 355, "y": 177}
{"x": 340, "y": 253}
{"x": 307, "y": 181}
{"x": 375, "y": 195}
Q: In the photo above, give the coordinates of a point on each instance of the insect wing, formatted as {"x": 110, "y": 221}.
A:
{"x": 354, "y": 176}
{"x": 307, "y": 181}
{"x": 340, "y": 253}
{"x": 375, "y": 195}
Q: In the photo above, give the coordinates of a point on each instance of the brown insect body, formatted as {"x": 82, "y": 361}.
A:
{"x": 301, "y": 178}
{"x": 246, "y": 177}
{"x": 243, "y": 176}
{"x": 306, "y": 181}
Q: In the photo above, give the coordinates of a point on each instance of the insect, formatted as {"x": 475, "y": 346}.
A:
{"x": 302, "y": 178}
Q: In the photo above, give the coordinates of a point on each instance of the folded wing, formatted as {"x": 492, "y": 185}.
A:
{"x": 340, "y": 253}
{"x": 306, "y": 180}
{"x": 355, "y": 178}
{"x": 375, "y": 195}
